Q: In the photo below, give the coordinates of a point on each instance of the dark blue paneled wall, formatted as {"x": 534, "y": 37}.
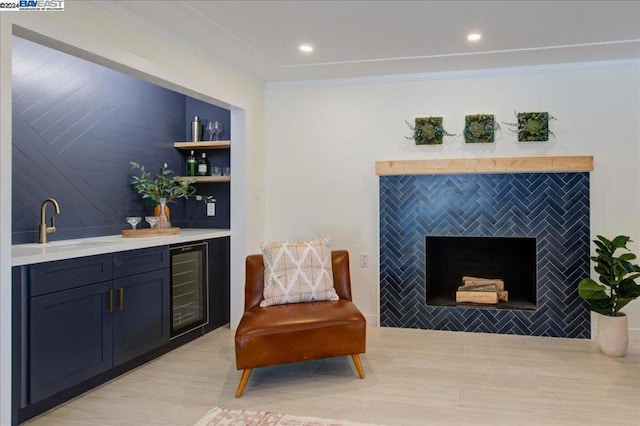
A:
{"x": 76, "y": 127}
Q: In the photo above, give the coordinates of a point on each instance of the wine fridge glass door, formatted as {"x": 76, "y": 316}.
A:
{"x": 189, "y": 308}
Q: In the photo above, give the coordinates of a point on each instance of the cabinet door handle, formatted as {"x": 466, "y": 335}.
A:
{"x": 110, "y": 301}
{"x": 120, "y": 298}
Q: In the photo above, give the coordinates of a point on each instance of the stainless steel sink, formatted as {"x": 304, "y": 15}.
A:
{"x": 62, "y": 246}
{"x": 67, "y": 243}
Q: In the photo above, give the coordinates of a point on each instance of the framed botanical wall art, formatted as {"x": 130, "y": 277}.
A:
{"x": 534, "y": 126}
{"x": 479, "y": 128}
{"x": 428, "y": 131}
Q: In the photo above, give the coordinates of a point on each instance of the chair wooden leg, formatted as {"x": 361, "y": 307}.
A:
{"x": 358, "y": 364}
{"x": 243, "y": 382}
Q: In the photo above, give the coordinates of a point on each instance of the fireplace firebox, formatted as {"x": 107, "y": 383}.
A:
{"x": 511, "y": 259}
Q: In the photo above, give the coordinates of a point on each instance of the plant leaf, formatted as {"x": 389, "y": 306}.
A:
{"x": 603, "y": 241}
{"x": 589, "y": 289}
{"x": 627, "y": 256}
{"x": 628, "y": 288}
{"x": 602, "y": 306}
{"x": 621, "y": 302}
{"x": 595, "y": 294}
{"x": 619, "y": 242}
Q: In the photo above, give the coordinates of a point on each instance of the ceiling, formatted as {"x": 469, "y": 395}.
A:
{"x": 373, "y": 38}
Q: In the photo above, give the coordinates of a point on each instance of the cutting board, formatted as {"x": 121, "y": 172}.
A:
{"x": 148, "y": 232}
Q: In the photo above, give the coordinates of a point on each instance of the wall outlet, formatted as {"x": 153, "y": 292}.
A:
{"x": 211, "y": 209}
{"x": 364, "y": 260}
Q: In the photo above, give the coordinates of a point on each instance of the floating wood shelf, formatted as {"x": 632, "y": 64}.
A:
{"x": 205, "y": 179}
{"x": 202, "y": 145}
{"x": 486, "y": 165}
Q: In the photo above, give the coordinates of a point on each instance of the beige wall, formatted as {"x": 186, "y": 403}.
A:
{"x": 93, "y": 33}
{"x": 323, "y": 139}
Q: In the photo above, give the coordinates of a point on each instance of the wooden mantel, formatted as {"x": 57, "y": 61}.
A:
{"x": 486, "y": 165}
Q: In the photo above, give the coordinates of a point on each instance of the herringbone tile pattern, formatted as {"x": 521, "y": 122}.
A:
{"x": 552, "y": 207}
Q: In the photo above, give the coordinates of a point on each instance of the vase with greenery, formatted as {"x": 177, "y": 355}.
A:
{"x": 617, "y": 287}
{"x": 157, "y": 186}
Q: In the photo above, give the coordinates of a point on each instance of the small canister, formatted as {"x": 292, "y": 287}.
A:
{"x": 196, "y": 129}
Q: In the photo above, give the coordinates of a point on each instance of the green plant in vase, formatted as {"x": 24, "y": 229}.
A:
{"x": 159, "y": 186}
{"x": 617, "y": 288}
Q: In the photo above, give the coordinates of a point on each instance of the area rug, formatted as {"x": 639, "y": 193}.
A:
{"x": 223, "y": 416}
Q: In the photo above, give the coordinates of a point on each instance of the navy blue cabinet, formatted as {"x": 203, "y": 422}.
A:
{"x": 127, "y": 263}
{"x": 141, "y": 314}
{"x": 50, "y": 277}
{"x": 70, "y": 335}
{"x": 141, "y": 302}
{"x": 219, "y": 293}
{"x": 80, "y": 322}
{"x": 79, "y": 328}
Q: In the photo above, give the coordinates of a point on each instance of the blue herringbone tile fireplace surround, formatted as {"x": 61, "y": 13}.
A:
{"x": 551, "y": 207}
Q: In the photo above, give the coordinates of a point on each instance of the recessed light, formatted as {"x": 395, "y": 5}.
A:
{"x": 306, "y": 48}
{"x": 474, "y": 36}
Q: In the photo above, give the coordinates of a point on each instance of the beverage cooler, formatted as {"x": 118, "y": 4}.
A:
{"x": 189, "y": 278}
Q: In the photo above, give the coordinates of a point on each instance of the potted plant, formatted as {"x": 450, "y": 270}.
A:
{"x": 161, "y": 188}
{"x": 617, "y": 276}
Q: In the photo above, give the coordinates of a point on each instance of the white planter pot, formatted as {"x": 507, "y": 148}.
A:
{"x": 613, "y": 335}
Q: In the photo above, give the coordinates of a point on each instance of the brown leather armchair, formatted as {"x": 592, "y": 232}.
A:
{"x": 294, "y": 332}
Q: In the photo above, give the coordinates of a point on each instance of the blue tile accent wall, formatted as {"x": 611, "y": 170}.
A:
{"x": 75, "y": 127}
{"x": 552, "y": 207}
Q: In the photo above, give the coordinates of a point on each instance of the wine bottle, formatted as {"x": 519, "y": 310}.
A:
{"x": 192, "y": 164}
{"x": 203, "y": 165}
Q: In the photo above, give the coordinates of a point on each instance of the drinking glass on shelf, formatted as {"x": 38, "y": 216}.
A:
{"x": 133, "y": 221}
{"x": 152, "y": 220}
{"x": 226, "y": 171}
{"x": 216, "y": 171}
{"x": 214, "y": 128}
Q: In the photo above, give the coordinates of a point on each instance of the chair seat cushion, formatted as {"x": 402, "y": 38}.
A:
{"x": 298, "y": 316}
{"x": 300, "y": 331}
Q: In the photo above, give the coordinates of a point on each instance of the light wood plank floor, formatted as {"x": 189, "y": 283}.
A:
{"x": 414, "y": 377}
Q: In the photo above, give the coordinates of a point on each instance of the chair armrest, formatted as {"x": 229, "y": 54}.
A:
{"x": 341, "y": 273}
{"x": 254, "y": 281}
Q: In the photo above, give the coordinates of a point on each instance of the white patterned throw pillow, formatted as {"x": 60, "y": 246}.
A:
{"x": 297, "y": 271}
